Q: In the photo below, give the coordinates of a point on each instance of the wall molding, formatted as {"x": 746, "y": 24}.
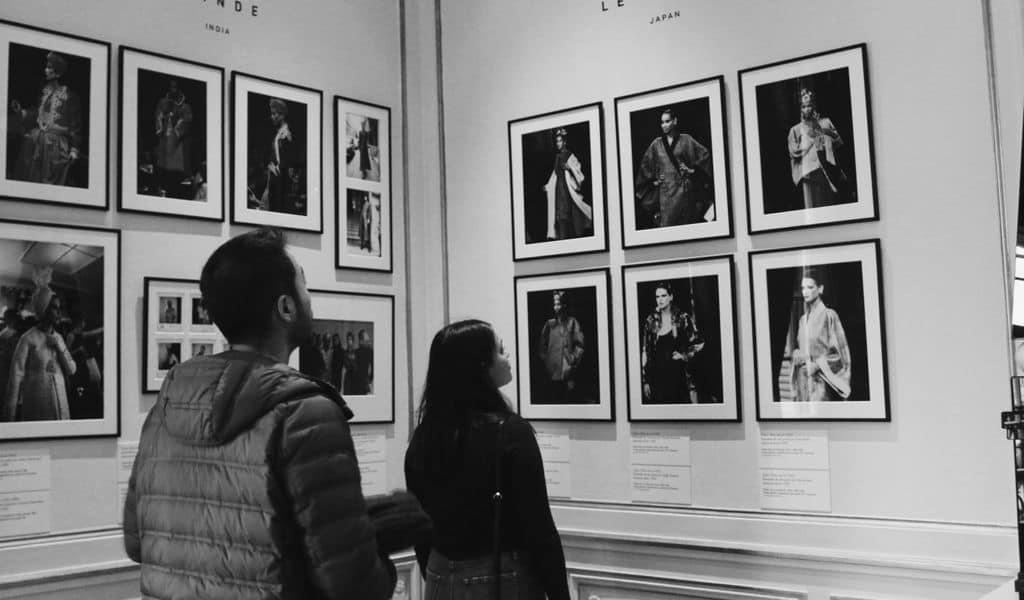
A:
{"x": 588, "y": 583}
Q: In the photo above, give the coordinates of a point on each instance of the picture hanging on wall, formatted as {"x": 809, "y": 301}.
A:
{"x": 277, "y": 154}
{"x": 558, "y": 183}
{"x": 59, "y": 347}
{"x": 563, "y": 346}
{"x": 362, "y": 175}
{"x": 175, "y": 328}
{"x": 353, "y": 349}
{"x": 681, "y": 341}
{"x": 673, "y": 164}
{"x": 807, "y": 141}
{"x": 819, "y": 333}
{"x": 56, "y": 106}
{"x": 171, "y": 147}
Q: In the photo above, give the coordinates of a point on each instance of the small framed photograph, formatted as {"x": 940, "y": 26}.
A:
{"x": 362, "y": 148}
{"x": 277, "y": 154}
{"x": 681, "y": 340}
{"x": 176, "y": 327}
{"x": 353, "y": 349}
{"x": 56, "y": 106}
{"x": 172, "y": 136}
{"x": 819, "y": 333}
{"x": 673, "y": 164}
{"x": 59, "y": 345}
{"x": 558, "y": 183}
{"x": 807, "y": 141}
{"x": 563, "y": 347}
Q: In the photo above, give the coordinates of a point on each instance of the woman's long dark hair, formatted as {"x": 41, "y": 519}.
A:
{"x": 458, "y": 387}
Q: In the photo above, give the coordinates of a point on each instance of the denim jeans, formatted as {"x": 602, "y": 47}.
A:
{"x": 473, "y": 579}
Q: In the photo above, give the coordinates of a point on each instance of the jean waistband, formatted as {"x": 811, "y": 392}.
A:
{"x": 440, "y": 562}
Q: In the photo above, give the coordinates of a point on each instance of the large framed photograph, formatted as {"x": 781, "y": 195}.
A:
{"x": 353, "y": 349}
{"x": 564, "y": 364}
{"x": 362, "y": 174}
{"x": 559, "y": 202}
{"x": 55, "y": 119}
{"x": 681, "y": 345}
{"x": 819, "y": 333}
{"x": 59, "y": 346}
{"x": 673, "y": 164}
{"x": 175, "y": 328}
{"x": 171, "y": 148}
{"x": 277, "y": 154}
{"x": 807, "y": 141}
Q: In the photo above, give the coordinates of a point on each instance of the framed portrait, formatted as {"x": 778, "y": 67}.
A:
{"x": 819, "y": 333}
{"x": 175, "y": 328}
{"x": 556, "y": 162}
{"x": 277, "y": 154}
{"x": 564, "y": 369}
{"x": 807, "y": 141}
{"x": 362, "y": 175}
{"x": 353, "y": 349}
{"x": 55, "y": 118}
{"x": 171, "y": 147}
{"x": 681, "y": 340}
{"x": 673, "y": 164}
{"x": 59, "y": 347}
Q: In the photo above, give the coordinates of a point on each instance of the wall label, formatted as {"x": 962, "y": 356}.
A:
{"x": 665, "y": 17}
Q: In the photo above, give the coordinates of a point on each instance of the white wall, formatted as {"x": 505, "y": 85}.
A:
{"x": 942, "y": 460}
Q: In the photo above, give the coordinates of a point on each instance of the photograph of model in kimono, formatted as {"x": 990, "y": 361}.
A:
{"x": 824, "y": 338}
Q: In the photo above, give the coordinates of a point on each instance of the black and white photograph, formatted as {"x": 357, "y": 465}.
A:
{"x": 563, "y": 341}
{"x": 200, "y": 316}
{"x": 673, "y": 164}
{"x": 362, "y": 172}
{"x": 169, "y": 316}
{"x": 807, "y": 141}
{"x": 202, "y": 348}
{"x": 341, "y": 353}
{"x": 277, "y": 154}
{"x": 681, "y": 340}
{"x": 819, "y": 333}
{"x": 176, "y": 327}
{"x": 168, "y": 355}
{"x": 556, "y": 163}
{"x": 59, "y": 341}
{"x": 171, "y": 143}
{"x": 56, "y": 101}
{"x": 353, "y": 349}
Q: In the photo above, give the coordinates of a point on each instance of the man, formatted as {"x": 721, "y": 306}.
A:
{"x": 8, "y": 341}
{"x": 173, "y": 125}
{"x": 812, "y": 145}
{"x": 817, "y": 348}
{"x": 40, "y": 367}
{"x": 674, "y": 184}
{"x": 363, "y": 375}
{"x": 246, "y": 483}
{"x": 560, "y": 350}
{"x": 569, "y": 215}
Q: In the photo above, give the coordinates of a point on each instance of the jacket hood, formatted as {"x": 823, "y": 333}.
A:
{"x": 209, "y": 400}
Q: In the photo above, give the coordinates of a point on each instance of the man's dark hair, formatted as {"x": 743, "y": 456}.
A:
{"x": 243, "y": 279}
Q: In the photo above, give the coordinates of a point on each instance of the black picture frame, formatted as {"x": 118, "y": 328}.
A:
{"x": 699, "y": 108}
{"x": 832, "y": 181}
{"x": 532, "y": 153}
{"x": 848, "y": 322}
{"x": 304, "y": 106}
{"x": 198, "y": 191}
{"x": 78, "y": 176}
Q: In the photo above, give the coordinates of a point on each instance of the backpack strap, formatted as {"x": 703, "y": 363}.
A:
{"x": 497, "y": 500}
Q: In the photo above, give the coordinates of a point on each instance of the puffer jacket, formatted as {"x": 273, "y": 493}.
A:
{"x": 246, "y": 486}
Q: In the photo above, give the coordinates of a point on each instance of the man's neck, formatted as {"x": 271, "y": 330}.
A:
{"x": 275, "y": 349}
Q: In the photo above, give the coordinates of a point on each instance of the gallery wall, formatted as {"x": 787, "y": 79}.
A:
{"x": 351, "y": 49}
{"x": 942, "y": 460}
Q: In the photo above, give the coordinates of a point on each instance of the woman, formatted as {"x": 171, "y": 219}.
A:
{"x": 817, "y": 348}
{"x": 450, "y": 467}
{"x": 670, "y": 341}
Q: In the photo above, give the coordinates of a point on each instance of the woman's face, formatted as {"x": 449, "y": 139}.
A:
{"x": 662, "y": 299}
{"x": 810, "y": 289}
{"x": 500, "y": 370}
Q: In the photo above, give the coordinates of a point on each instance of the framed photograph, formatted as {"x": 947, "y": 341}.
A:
{"x": 59, "y": 347}
{"x": 681, "y": 340}
{"x": 673, "y": 164}
{"x": 171, "y": 147}
{"x": 819, "y": 333}
{"x": 807, "y": 141}
{"x": 564, "y": 369}
{"x": 558, "y": 183}
{"x": 353, "y": 349}
{"x": 362, "y": 175}
{"x": 55, "y": 118}
{"x": 175, "y": 328}
{"x": 277, "y": 154}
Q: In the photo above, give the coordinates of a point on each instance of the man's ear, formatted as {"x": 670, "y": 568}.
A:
{"x": 286, "y": 308}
